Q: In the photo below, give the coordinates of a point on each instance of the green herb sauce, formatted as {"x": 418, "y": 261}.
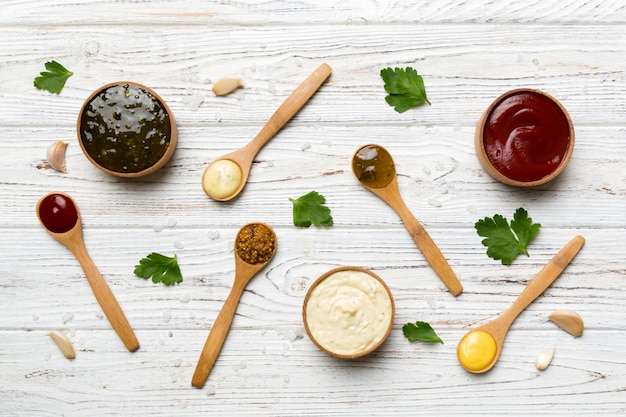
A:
{"x": 125, "y": 128}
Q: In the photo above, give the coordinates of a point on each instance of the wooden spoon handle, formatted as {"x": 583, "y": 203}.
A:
{"x": 548, "y": 274}
{"x": 291, "y": 106}
{"x": 216, "y": 337}
{"x": 107, "y": 301}
{"x": 429, "y": 249}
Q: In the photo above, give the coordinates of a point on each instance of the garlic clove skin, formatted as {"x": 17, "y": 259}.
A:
{"x": 225, "y": 86}
{"x": 64, "y": 344}
{"x": 544, "y": 358}
{"x": 568, "y": 320}
{"x": 56, "y": 155}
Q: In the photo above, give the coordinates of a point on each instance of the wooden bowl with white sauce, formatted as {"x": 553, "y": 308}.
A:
{"x": 348, "y": 312}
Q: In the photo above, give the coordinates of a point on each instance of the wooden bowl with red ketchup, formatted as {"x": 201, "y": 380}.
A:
{"x": 524, "y": 138}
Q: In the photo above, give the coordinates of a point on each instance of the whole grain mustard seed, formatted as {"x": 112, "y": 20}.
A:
{"x": 255, "y": 243}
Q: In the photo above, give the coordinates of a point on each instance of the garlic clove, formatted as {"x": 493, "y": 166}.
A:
{"x": 544, "y": 358}
{"x": 568, "y": 320}
{"x": 56, "y": 155}
{"x": 64, "y": 344}
{"x": 227, "y": 85}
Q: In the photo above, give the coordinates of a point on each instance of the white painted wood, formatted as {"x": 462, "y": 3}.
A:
{"x": 469, "y": 52}
{"x": 308, "y": 12}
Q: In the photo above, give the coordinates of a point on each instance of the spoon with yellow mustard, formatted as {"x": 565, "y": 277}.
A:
{"x": 255, "y": 246}
{"x": 374, "y": 168}
{"x": 479, "y": 349}
{"x": 226, "y": 176}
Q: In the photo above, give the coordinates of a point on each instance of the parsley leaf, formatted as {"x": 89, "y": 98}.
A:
{"x": 420, "y": 331}
{"x": 503, "y": 241}
{"x": 309, "y": 209}
{"x": 161, "y": 268}
{"x": 54, "y": 79}
{"x": 405, "y": 87}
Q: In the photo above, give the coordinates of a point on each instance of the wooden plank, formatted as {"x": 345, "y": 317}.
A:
{"x": 465, "y": 68}
{"x": 583, "y": 377}
{"x": 439, "y": 176}
{"x": 347, "y": 12}
{"x": 49, "y": 289}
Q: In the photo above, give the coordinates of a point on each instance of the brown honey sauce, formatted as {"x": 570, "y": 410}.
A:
{"x": 373, "y": 166}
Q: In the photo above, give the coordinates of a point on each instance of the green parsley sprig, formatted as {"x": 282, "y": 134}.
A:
{"x": 421, "y": 331}
{"x": 405, "y": 87}
{"x": 160, "y": 268}
{"x": 54, "y": 79}
{"x": 505, "y": 241}
{"x": 309, "y": 209}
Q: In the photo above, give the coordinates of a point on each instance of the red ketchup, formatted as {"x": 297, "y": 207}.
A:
{"x": 526, "y": 136}
{"x": 58, "y": 213}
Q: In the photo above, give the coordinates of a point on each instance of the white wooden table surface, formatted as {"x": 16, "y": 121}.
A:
{"x": 469, "y": 52}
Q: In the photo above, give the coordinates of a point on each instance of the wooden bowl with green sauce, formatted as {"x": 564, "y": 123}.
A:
{"x": 125, "y": 129}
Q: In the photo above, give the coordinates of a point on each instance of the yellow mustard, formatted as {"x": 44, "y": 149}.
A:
{"x": 222, "y": 178}
{"x": 476, "y": 350}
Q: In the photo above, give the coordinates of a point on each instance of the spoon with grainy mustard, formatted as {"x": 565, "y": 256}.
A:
{"x": 255, "y": 246}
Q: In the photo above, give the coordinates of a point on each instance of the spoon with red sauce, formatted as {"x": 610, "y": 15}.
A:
{"x": 59, "y": 215}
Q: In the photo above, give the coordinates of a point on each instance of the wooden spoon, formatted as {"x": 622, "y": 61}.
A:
{"x": 374, "y": 168}
{"x": 59, "y": 215}
{"x": 251, "y": 237}
{"x": 499, "y": 327}
{"x": 243, "y": 157}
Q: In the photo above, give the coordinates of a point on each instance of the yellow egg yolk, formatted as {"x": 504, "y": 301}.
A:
{"x": 476, "y": 350}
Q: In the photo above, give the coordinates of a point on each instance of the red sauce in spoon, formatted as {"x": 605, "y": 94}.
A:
{"x": 526, "y": 136}
{"x": 58, "y": 213}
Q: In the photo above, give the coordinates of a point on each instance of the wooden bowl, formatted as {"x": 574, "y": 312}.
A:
{"x": 348, "y": 312}
{"x": 524, "y": 138}
{"x": 126, "y": 129}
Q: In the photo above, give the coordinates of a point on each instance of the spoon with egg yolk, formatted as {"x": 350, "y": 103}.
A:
{"x": 479, "y": 349}
{"x": 374, "y": 167}
{"x": 226, "y": 176}
{"x": 255, "y": 246}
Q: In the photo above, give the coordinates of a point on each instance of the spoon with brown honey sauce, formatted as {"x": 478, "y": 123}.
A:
{"x": 374, "y": 168}
{"x": 255, "y": 246}
{"x": 479, "y": 350}
{"x": 59, "y": 215}
{"x": 226, "y": 176}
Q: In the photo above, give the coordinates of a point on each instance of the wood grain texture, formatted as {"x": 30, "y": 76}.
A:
{"x": 309, "y": 12}
{"x": 469, "y": 53}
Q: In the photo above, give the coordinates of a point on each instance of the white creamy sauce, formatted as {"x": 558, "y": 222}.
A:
{"x": 349, "y": 312}
{"x": 222, "y": 178}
